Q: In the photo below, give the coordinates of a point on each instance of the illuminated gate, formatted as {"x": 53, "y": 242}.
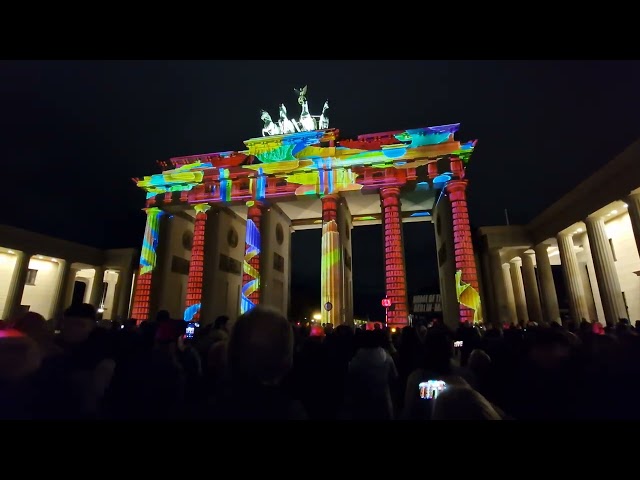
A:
{"x": 300, "y": 174}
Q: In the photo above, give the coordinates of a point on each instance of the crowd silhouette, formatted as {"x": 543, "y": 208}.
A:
{"x": 264, "y": 367}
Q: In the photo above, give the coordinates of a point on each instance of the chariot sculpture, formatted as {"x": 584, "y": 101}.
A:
{"x": 305, "y": 123}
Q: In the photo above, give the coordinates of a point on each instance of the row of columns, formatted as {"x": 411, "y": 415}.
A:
{"x": 516, "y": 291}
{"x": 332, "y": 281}
{"x": 63, "y": 290}
{"x": 520, "y": 292}
{"x": 332, "y": 274}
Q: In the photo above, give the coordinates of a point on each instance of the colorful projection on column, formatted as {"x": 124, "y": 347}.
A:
{"x": 148, "y": 257}
{"x": 468, "y": 297}
{"x": 225, "y": 185}
{"x": 395, "y": 276}
{"x": 251, "y": 267}
{"x": 466, "y": 276}
{"x": 331, "y": 274}
{"x": 196, "y": 265}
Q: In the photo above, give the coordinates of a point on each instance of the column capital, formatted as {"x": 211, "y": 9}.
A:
{"x": 541, "y": 247}
{"x": 593, "y": 218}
{"x": 20, "y": 253}
{"x": 527, "y": 254}
{"x": 516, "y": 261}
{"x": 334, "y": 196}
{"x": 635, "y": 194}
{"x": 565, "y": 235}
{"x": 457, "y": 184}
{"x": 386, "y": 192}
{"x": 456, "y": 189}
{"x": 202, "y": 207}
{"x": 153, "y": 211}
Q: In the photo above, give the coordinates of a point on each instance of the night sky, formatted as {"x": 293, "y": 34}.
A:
{"x": 75, "y": 133}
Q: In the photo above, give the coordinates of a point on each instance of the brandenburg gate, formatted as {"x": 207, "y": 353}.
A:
{"x": 298, "y": 175}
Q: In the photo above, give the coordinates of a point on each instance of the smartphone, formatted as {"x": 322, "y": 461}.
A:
{"x": 431, "y": 389}
{"x": 190, "y": 331}
{"x": 457, "y": 344}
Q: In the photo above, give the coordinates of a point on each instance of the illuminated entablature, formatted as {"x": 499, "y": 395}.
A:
{"x": 314, "y": 162}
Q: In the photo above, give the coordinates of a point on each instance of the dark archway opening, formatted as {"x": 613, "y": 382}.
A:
{"x": 368, "y": 268}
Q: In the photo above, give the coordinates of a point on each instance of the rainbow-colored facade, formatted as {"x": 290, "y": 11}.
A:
{"x": 316, "y": 164}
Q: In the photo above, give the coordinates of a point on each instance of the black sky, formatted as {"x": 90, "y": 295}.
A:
{"x": 75, "y": 132}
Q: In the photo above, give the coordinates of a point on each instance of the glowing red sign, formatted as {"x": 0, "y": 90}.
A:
{"x": 386, "y": 302}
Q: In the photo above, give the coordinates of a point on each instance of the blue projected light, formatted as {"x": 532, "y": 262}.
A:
{"x": 444, "y": 178}
{"x": 190, "y": 312}
{"x": 421, "y": 214}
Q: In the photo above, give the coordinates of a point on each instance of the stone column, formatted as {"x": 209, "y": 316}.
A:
{"x": 518, "y": 291}
{"x": 332, "y": 285}
{"x": 122, "y": 294}
{"x": 466, "y": 271}
{"x": 511, "y": 301}
{"x": 572, "y": 278}
{"x": 501, "y": 298}
{"x": 534, "y": 308}
{"x": 633, "y": 203}
{"x": 250, "y": 296}
{"x": 148, "y": 260}
{"x": 61, "y": 289}
{"x": 394, "y": 262}
{"x": 551, "y": 311}
{"x": 97, "y": 287}
{"x": 196, "y": 265}
{"x": 16, "y": 287}
{"x": 70, "y": 282}
{"x": 606, "y": 272}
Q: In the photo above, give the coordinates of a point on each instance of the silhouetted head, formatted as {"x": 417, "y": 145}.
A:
{"x": 221, "y": 322}
{"x": 260, "y": 348}
{"x": 34, "y": 325}
{"x": 78, "y": 322}
{"x": 438, "y": 351}
{"x": 549, "y": 348}
{"x": 19, "y": 355}
{"x": 163, "y": 315}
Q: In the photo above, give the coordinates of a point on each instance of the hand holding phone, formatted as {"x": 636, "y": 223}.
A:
{"x": 431, "y": 389}
{"x": 190, "y": 331}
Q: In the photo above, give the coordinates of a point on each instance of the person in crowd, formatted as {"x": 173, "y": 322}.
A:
{"x": 371, "y": 374}
{"x": 35, "y": 326}
{"x": 262, "y": 367}
{"x": 260, "y": 354}
{"x": 20, "y": 360}
{"x": 463, "y": 403}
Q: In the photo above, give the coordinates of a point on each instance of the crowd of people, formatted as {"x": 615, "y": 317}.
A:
{"x": 264, "y": 367}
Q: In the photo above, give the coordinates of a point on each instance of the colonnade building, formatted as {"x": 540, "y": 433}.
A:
{"x": 590, "y": 238}
{"x": 43, "y": 274}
